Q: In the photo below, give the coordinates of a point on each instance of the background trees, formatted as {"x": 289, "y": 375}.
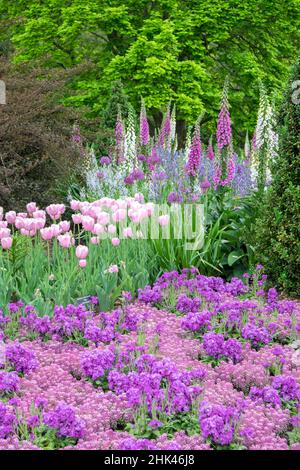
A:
{"x": 178, "y": 50}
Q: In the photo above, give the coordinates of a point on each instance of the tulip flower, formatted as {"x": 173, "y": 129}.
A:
{"x": 82, "y": 251}
{"x": 6, "y": 243}
{"x": 82, "y": 263}
{"x": 163, "y": 220}
{"x": 10, "y": 217}
{"x": 65, "y": 240}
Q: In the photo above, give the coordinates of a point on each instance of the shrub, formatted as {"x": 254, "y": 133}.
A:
{"x": 35, "y": 145}
{"x": 279, "y": 223}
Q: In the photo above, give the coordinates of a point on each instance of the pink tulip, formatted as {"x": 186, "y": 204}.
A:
{"x": 119, "y": 215}
{"x": 3, "y": 224}
{"x": 46, "y": 233}
{"x": 82, "y": 263}
{"x": 87, "y": 223}
{"x": 28, "y": 233}
{"x": 39, "y": 214}
{"x": 115, "y": 241}
{"x": 77, "y": 218}
{"x": 40, "y": 223}
{"x": 11, "y": 217}
{"x": 55, "y": 229}
{"x": 139, "y": 197}
{"x": 65, "y": 240}
{"x": 150, "y": 208}
{"x": 4, "y": 232}
{"x": 64, "y": 225}
{"x": 6, "y": 243}
{"x": 122, "y": 204}
{"x": 31, "y": 207}
{"x": 163, "y": 220}
{"x": 82, "y": 251}
{"x": 111, "y": 229}
{"x": 143, "y": 213}
{"x": 19, "y": 222}
{"x": 31, "y": 224}
{"x": 127, "y": 232}
{"x": 103, "y": 218}
{"x": 95, "y": 240}
{"x": 75, "y": 205}
{"x": 98, "y": 229}
{"x": 113, "y": 269}
{"x": 136, "y": 217}
{"x": 55, "y": 211}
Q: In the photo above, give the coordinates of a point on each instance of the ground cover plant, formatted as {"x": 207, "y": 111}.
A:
{"x": 194, "y": 363}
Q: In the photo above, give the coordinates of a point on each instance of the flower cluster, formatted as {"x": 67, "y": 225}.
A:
{"x": 64, "y": 420}
{"x": 192, "y": 372}
{"x": 20, "y": 358}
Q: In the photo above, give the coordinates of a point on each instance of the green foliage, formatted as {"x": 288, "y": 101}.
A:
{"x": 279, "y": 225}
{"x": 44, "y": 275}
{"x": 178, "y": 50}
{"x": 118, "y": 101}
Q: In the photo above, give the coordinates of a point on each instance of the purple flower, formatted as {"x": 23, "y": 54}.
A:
{"x": 40, "y": 402}
{"x": 194, "y": 158}
{"x": 186, "y": 304}
{"x": 33, "y": 421}
{"x": 7, "y": 419}
{"x": 155, "y": 423}
{"x": 150, "y": 295}
{"x": 131, "y": 443}
{"x": 174, "y": 197}
{"x": 138, "y": 174}
{"x": 64, "y": 420}
{"x": 97, "y": 362}
{"x": 210, "y": 152}
{"x": 20, "y": 358}
{"x": 9, "y": 382}
{"x": 129, "y": 179}
{"x": 105, "y": 160}
{"x": 233, "y": 350}
{"x": 218, "y": 422}
{"x": 257, "y": 335}
{"x": 224, "y": 133}
{"x": 213, "y": 344}
{"x": 127, "y": 295}
{"x": 144, "y": 126}
{"x": 197, "y": 321}
{"x": 287, "y": 387}
{"x": 265, "y": 395}
{"x": 205, "y": 185}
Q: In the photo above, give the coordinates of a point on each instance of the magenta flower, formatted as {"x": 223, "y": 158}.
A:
{"x": 194, "y": 159}
{"x": 144, "y": 126}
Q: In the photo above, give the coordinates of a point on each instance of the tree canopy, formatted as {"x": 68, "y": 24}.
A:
{"x": 179, "y": 50}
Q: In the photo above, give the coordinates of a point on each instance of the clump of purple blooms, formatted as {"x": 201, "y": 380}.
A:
{"x": 64, "y": 420}
{"x": 20, "y": 358}
{"x": 218, "y": 422}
